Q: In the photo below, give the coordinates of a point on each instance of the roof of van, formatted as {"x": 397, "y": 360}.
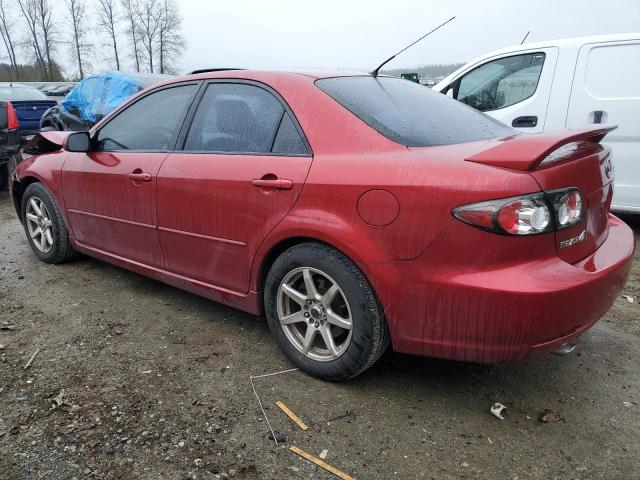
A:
{"x": 566, "y": 43}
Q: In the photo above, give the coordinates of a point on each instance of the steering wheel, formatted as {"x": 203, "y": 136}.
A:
{"x": 161, "y": 131}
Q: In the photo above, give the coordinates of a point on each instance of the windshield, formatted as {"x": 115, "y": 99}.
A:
{"x": 17, "y": 94}
{"x": 411, "y": 114}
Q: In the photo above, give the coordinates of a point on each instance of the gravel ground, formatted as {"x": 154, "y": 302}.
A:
{"x": 138, "y": 380}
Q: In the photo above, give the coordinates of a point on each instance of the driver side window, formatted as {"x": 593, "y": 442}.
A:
{"x": 151, "y": 123}
{"x": 502, "y": 82}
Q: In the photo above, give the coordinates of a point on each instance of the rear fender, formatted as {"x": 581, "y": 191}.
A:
{"x": 314, "y": 225}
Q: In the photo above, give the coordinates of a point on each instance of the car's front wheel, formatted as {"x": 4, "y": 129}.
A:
{"x": 323, "y": 312}
{"x": 45, "y": 228}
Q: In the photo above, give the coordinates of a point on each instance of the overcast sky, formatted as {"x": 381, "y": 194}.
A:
{"x": 281, "y": 34}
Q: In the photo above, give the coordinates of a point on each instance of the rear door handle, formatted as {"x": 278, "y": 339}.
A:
{"x": 525, "y": 122}
{"x": 139, "y": 176}
{"x": 277, "y": 183}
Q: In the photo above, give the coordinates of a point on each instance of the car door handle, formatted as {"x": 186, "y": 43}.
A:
{"x": 524, "y": 122}
{"x": 277, "y": 183}
{"x": 136, "y": 176}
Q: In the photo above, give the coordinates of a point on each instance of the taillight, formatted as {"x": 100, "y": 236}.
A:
{"x": 567, "y": 204}
{"x": 527, "y": 214}
{"x": 12, "y": 118}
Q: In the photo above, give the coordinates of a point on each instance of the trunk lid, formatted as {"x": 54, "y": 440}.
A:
{"x": 32, "y": 110}
{"x": 559, "y": 160}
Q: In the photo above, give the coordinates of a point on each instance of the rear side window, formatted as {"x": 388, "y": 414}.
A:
{"x": 502, "y": 82}
{"x": 151, "y": 123}
{"x": 288, "y": 140}
{"x": 235, "y": 118}
{"x": 411, "y": 114}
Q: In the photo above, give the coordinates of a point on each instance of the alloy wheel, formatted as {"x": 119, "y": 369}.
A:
{"x": 314, "y": 314}
{"x": 39, "y": 224}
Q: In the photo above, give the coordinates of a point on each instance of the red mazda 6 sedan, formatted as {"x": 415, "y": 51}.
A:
{"x": 352, "y": 211}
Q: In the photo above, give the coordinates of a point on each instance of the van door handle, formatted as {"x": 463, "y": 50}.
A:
{"x": 276, "y": 183}
{"x": 525, "y": 122}
{"x": 597, "y": 116}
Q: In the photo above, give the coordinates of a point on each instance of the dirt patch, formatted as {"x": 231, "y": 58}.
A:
{"x": 153, "y": 382}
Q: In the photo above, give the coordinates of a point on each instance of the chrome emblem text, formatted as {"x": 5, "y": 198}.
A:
{"x": 572, "y": 241}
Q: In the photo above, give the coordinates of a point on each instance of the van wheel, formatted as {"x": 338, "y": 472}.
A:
{"x": 46, "y": 232}
{"x": 48, "y": 128}
{"x": 323, "y": 313}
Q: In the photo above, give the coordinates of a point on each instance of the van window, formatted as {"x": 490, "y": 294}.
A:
{"x": 612, "y": 71}
{"x": 502, "y": 82}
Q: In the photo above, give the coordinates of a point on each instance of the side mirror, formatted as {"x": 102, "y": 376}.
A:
{"x": 79, "y": 142}
{"x": 449, "y": 92}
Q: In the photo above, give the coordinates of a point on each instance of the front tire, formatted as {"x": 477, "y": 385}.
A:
{"x": 45, "y": 228}
{"x": 323, "y": 313}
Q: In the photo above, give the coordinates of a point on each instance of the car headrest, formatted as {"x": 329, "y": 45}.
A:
{"x": 233, "y": 116}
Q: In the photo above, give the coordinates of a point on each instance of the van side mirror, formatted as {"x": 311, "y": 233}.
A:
{"x": 79, "y": 142}
{"x": 449, "y": 92}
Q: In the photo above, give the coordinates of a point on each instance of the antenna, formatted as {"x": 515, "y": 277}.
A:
{"x": 375, "y": 72}
{"x": 525, "y": 37}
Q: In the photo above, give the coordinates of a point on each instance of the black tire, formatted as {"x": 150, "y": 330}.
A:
{"x": 61, "y": 250}
{"x": 369, "y": 332}
{"x": 6, "y": 171}
{"x": 48, "y": 128}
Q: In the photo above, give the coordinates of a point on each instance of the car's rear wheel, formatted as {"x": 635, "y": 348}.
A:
{"x": 45, "y": 228}
{"x": 323, "y": 312}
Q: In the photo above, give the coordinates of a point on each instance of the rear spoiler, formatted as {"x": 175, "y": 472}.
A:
{"x": 526, "y": 152}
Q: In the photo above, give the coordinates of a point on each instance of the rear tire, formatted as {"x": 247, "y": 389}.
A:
{"x": 48, "y": 128}
{"x": 45, "y": 228}
{"x": 323, "y": 313}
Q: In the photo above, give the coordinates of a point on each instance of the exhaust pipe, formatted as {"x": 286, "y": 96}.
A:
{"x": 565, "y": 349}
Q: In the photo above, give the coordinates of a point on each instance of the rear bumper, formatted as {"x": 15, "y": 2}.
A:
{"x": 481, "y": 299}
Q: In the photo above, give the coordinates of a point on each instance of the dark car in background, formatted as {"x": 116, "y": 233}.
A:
{"x": 9, "y": 142}
{"x": 93, "y": 98}
{"x": 29, "y": 104}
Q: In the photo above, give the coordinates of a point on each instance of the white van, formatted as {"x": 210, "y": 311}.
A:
{"x": 564, "y": 84}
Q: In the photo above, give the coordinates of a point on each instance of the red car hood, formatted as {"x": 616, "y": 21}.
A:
{"x": 45, "y": 142}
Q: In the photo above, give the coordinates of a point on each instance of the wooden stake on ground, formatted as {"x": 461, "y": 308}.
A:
{"x": 292, "y": 415}
{"x": 320, "y": 463}
{"x": 31, "y": 359}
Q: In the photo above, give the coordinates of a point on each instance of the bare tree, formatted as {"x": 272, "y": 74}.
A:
{"x": 77, "y": 11}
{"x": 6, "y": 30}
{"x": 170, "y": 40}
{"x": 149, "y": 25}
{"x": 47, "y": 32}
{"x": 107, "y": 22}
{"x": 131, "y": 8}
{"x": 30, "y": 11}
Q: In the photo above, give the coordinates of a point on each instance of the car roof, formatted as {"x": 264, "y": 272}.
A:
{"x": 268, "y": 74}
{"x": 14, "y": 85}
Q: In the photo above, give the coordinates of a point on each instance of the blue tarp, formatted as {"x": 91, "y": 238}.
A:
{"x": 96, "y": 96}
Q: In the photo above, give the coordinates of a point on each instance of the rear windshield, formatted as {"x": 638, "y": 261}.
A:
{"x": 411, "y": 114}
{"x": 17, "y": 94}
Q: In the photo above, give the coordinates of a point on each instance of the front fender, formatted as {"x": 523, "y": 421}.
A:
{"x": 46, "y": 169}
